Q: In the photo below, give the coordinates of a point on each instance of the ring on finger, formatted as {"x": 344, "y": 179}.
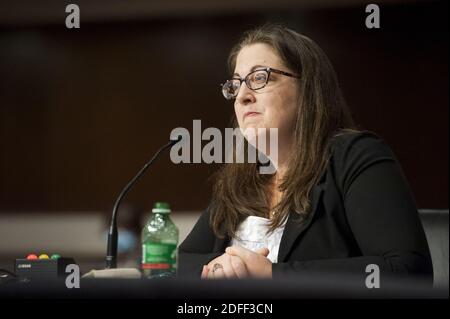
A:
{"x": 217, "y": 266}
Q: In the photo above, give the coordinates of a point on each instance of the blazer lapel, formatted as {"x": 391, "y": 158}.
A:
{"x": 220, "y": 244}
{"x": 293, "y": 229}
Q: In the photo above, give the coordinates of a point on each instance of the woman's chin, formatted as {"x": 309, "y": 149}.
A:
{"x": 253, "y": 128}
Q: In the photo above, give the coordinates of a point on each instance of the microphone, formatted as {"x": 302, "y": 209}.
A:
{"x": 111, "y": 250}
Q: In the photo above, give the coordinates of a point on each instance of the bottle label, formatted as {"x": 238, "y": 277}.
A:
{"x": 158, "y": 256}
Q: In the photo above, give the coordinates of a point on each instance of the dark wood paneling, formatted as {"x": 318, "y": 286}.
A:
{"x": 82, "y": 110}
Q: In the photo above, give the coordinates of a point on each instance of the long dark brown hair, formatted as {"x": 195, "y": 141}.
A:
{"x": 239, "y": 190}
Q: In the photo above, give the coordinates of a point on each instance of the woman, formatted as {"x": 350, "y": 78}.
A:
{"x": 338, "y": 201}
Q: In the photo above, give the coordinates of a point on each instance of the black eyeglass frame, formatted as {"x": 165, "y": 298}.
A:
{"x": 269, "y": 70}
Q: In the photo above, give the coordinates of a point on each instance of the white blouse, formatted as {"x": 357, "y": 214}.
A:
{"x": 252, "y": 234}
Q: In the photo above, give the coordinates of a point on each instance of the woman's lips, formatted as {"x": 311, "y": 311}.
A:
{"x": 250, "y": 114}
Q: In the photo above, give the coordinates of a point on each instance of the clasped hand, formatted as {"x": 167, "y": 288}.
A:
{"x": 239, "y": 262}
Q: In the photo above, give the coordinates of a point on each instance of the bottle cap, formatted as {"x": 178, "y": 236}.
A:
{"x": 161, "y": 207}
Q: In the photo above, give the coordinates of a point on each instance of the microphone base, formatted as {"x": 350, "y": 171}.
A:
{"x": 128, "y": 273}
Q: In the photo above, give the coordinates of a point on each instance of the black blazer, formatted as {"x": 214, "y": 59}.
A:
{"x": 362, "y": 212}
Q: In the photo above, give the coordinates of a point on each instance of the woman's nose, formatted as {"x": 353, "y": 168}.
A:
{"x": 245, "y": 95}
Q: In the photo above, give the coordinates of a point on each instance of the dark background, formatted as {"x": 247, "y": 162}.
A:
{"x": 81, "y": 110}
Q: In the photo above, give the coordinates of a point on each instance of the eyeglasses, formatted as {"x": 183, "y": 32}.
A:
{"x": 255, "y": 80}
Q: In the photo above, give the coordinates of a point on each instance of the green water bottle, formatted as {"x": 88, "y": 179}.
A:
{"x": 159, "y": 243}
